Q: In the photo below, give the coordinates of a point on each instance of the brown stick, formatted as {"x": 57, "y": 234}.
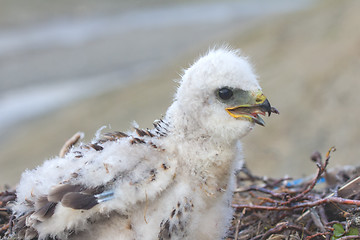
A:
{"x": 237, "y": 229}
{"x": 317, "y": 235}
{"x": 300, "y": 205}
{"x": 5, "y": 227}
{"x": 263, "y": 190}
{"x": 321, "y": 170}
{"x": 283, "y": 227}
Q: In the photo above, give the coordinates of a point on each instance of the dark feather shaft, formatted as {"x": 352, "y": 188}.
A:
{"x": 115, "y": 135}
{"x": 140, "y": 132}
{"x": 96, "y": 146}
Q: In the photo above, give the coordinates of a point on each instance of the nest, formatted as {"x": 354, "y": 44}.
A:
{"x": 5, "y": 213}
{"x": 324, "y": 206}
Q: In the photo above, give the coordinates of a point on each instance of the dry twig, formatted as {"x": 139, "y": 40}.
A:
{"x": 282, "y": 204}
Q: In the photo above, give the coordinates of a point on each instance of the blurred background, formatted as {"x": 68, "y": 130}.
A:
{"x": 68, "y": 66}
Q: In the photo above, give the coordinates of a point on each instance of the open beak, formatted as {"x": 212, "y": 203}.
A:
{"x": 257, "y": 105}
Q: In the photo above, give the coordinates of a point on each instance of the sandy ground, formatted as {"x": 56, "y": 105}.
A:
{"x": 308, "y": 63}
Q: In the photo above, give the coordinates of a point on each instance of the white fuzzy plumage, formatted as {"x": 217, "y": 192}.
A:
{"x": 174, "y": 182}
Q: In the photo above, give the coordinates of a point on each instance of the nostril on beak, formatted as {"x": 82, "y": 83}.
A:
{"x": 259, "y": 99}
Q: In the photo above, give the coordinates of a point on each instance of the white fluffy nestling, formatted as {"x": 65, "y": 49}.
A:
{"x": 172, "y": 182}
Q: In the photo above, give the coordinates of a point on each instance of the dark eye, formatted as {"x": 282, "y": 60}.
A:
{"x": 225, "y": 93}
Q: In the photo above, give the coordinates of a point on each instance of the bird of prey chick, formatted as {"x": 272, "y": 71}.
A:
{"x": 171, "y": 182}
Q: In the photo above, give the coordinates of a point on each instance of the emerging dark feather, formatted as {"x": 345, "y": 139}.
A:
{"x": 77, "y": 200}
{"x": 58, "y": 192}
{"x": 74, "y": 196}
{"x": 44, "y": 208}
{"x": 30, "y": 233}
{"x": 114, "y": 136}
{"x": 21, "y": 221}
{"x": 161, "y": 127}
{"x": 45, "y": 211}
{"x": 149, "y": 133}
{"x": 140, "y": 132}
{"x": 136, "y": 140}
{"x": 96, "y": 146}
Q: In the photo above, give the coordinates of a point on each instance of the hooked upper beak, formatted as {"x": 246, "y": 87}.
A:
{"x": 257, "y": 105}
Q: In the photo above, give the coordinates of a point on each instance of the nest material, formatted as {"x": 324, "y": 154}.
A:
{"x": 324, "y": 206}
{"x": 5, "y": 213}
